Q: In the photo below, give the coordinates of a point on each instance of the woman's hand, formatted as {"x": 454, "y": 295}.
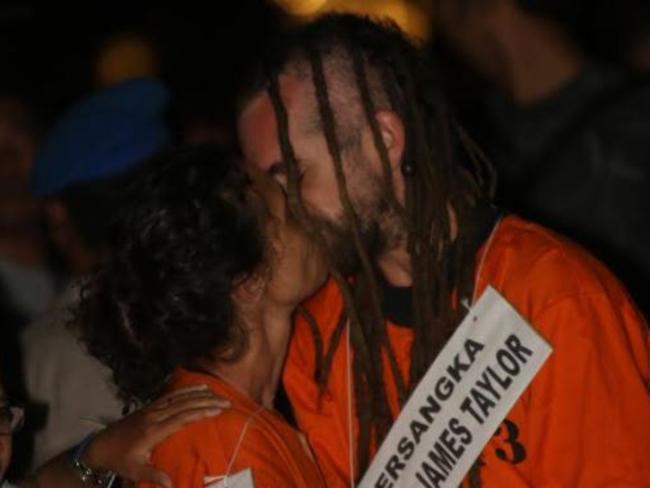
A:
{"x": 125, "y": 446}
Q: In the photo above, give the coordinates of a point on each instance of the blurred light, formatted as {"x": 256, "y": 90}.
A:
{"x": 412, "y": 16}
{"x": 301, "y": 8}
{"x": 123, "y": 57}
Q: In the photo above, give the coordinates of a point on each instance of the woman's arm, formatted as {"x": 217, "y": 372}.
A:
{"x": 125, "y": 446}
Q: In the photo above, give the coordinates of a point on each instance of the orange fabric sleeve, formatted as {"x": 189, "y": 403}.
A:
{"x": 589, "y": 415}
{"x": 585, "y": 419}
{"x": 207, "y": 447}
{"x": 180, "y": 458}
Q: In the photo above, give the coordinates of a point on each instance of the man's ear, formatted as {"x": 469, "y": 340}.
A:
{"x": 391, "y": 128}
{"x": 250, "y": 289}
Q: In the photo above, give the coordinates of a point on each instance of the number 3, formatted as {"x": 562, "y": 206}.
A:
{"x": 518, "y": 449}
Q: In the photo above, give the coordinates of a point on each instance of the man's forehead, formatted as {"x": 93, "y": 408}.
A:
{"x": 257, "y": 123}
{"x": 291, "y": 87}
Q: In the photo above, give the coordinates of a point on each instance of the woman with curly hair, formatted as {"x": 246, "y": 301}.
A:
{"x": 205, "y": 271}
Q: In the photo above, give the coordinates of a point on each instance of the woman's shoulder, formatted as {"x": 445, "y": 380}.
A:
{"x": 244, "y": 422}
{"x": 243, "y": 436}
{"x": 231, "y": 442}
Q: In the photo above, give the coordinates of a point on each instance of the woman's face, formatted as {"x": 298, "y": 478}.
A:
{"x": 297, "y": 265}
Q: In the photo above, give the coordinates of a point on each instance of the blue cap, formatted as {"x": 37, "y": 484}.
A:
{"x": 103, "y": 135}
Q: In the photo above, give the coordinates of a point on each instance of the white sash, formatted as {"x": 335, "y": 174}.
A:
{"x": 459, "y": 403}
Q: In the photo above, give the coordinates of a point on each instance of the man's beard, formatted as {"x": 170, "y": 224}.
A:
{"x": 339, "y": 237}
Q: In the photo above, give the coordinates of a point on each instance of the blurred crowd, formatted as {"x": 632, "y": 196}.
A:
{"x": 555, "y": 95}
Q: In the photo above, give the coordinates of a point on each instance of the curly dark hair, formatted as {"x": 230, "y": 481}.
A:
{"x": 163, "y": 299}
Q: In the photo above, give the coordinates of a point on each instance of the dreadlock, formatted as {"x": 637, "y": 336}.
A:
{"x": 388, "y": 72}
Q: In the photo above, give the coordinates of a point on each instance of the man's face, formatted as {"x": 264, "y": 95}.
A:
{"x": 317, "y": 178}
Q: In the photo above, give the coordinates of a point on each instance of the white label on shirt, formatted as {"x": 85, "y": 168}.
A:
{"x": 243, "y": 479}
{"x": 467, "y": 392}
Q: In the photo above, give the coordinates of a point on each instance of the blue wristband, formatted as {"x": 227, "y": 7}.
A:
{"x": 86, "y": 474}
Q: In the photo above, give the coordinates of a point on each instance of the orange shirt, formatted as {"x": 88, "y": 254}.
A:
{"x": 584, "y": 421}
{"x": 203, "y": 450}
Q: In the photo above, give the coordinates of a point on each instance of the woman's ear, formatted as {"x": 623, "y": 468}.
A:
{"x": 250, "y": 290}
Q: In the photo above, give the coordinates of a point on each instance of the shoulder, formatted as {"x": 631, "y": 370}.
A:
{"x": 236, "y": 439}
{"x": 220, "y": 432}
{"x": 537, "y": 268}
{"x": 207, "y": 441}
{"x": 572, "y": 300}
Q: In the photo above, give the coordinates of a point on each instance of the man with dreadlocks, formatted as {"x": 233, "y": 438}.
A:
{"x": 349, "y": 117}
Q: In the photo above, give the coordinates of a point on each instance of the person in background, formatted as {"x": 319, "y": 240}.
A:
{"x": 567, "y": 133}
{"x": 80, "y": 172}
{"x": 11, "y": 419}
{"x": 620, "y": 32}
{"x": 26, "y": 283}
{"x": 27, "y": 280}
